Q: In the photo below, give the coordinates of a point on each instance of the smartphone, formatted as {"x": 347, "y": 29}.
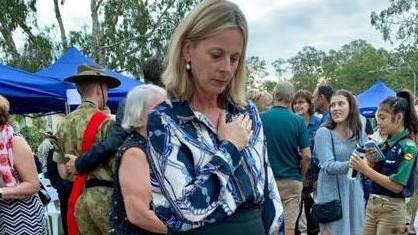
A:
{"x": 373, "y": 145}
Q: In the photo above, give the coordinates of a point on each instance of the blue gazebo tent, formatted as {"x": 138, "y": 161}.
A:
{"x": 370, "y": 99}
{"x": 30, "y": 93}
{"x": 67, "y": 66}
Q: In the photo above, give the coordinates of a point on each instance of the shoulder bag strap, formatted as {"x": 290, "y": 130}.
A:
{"x": 335, "y": 159}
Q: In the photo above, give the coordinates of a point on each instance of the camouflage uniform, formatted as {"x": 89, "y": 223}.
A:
{"x": 93, "y": 205}
{"x": 43, "y": 150}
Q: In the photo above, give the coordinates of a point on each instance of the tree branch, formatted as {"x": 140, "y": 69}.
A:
{"x": 8, "y": 40}
{"x": 147, "y": 35}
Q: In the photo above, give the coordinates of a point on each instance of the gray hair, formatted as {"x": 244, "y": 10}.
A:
{"x": 283, "y": 91}
{"x": 137, "y": 102}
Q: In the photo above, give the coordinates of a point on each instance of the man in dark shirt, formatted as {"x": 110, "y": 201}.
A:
{"x": 62, "y": 186}
{"x": 321, "y": 100}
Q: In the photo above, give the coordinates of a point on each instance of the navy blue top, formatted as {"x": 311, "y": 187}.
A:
{"x": 399, "y": 164}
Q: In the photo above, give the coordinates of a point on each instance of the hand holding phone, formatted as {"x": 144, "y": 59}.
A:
{"x": 373, "y": 145}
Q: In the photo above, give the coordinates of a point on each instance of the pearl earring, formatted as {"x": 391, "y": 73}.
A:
{"x": 188, "y": 66}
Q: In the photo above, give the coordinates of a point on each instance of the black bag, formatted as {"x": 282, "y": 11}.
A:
{"x": 326, "y": 212}
{"x": 44, "y": 196}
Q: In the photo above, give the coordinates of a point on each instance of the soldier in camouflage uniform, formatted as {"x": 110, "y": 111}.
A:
{"x": 93, "y": 205}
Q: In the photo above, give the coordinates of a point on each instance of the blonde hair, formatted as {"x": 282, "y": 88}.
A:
{"x": 4, "y": 110}
{"x": 262, "y": 99}
{"x": 209, "y": 17}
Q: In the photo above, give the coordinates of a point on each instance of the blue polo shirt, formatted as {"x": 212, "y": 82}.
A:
{"x": 286, "y": 134}
{"x": 313, "y": 126}
{"x": 324, "y": 119}
{"x": 399, "y": 164}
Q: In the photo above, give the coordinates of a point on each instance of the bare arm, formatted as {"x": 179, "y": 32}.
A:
{"x": 24, "y": 163}
{"x": 305, "y": 155}
{"x": 134, "y": 177}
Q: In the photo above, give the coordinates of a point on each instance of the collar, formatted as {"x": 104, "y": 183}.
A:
{"x": 326, "y": 114}
{"x": 280, "y": 107}
{"x": 396, "y": 138}
{"x": 314, "y": 121}
{"x": 88, "y": 103}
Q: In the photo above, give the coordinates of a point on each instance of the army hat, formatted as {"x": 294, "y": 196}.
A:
{"x": 87, "y": 73}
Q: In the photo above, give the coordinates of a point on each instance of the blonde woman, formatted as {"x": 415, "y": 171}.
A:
{"x": 261, "y": 98}
{"x": 206, "y": 145}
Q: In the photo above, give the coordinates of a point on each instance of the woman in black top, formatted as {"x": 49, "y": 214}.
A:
{"x": 131, "y": 212}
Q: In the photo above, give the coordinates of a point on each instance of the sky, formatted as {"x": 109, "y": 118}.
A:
{"x": 277, "y": 28}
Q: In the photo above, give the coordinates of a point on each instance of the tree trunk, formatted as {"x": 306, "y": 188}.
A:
{"x": 96, "y": 35}
{"x": 61, "y": 24}
{"x": 10, "y": 43}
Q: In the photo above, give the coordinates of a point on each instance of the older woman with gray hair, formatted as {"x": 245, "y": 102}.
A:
{"x": 131, "y": 212}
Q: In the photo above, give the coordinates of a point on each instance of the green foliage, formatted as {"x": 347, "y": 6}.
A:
{"x": 256, "y": 70}
{"x": 129, "y": 32}
{"x": 356, "y": 66}
{"x": 280, "y": 67}
{"x": 133, "y": 31}
{"x": 357, "y": 72}
{"x": 398, "y": 21}
{"x": 269, "y": 85}
{"x": 307, "y": 68}
{"x": 31, "y": 133}
{"x": 32, "y": 136}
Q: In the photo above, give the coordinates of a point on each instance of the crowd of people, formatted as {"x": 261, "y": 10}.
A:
{"x": 193, "y": 152}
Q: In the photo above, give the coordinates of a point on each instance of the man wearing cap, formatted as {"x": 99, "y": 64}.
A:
{"x": 80, "y": 129}
{"x": 44, "y": 147}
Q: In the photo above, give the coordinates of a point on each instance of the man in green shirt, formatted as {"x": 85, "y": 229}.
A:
{"x": 288, "y": 147}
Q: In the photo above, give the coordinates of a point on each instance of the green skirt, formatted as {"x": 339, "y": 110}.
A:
{"x": 244, "y": 221}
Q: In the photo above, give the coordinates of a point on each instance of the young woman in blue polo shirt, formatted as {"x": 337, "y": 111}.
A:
{"x": 392, "y": 177}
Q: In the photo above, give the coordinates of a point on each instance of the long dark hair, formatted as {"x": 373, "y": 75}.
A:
{"x": 354, "y": 122}
{"x": 402, "y": 103}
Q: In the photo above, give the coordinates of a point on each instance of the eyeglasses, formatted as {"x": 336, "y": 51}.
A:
{"x": 299, "y": 102}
